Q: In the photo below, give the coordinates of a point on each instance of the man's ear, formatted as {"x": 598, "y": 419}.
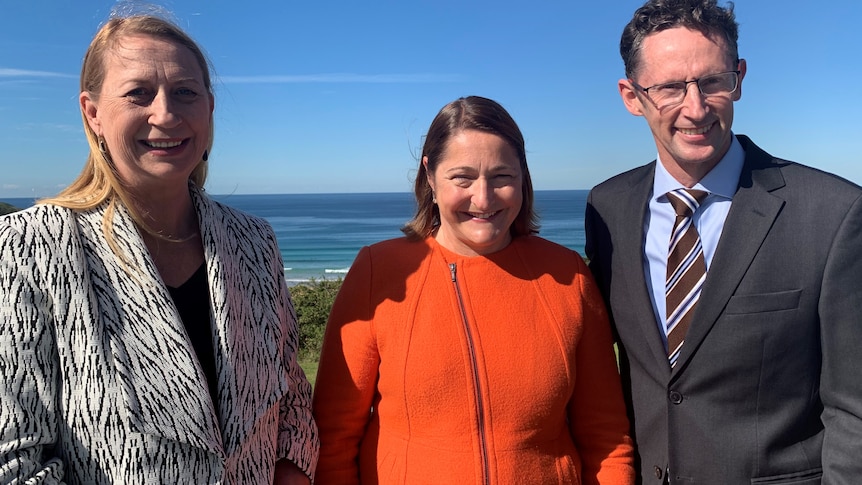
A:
{"x": 631, "y": 100}
{"x": 90, "y": 109}
{"x": 742, "y": 68}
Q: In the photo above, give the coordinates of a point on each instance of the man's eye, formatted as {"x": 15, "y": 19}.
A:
{"x": 669, "y": 88}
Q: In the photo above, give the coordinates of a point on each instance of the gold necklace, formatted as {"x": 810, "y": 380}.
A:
{"x": 177, "y": 240}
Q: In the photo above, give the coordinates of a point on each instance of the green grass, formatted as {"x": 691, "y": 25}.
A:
{"x": 310, "y": 368}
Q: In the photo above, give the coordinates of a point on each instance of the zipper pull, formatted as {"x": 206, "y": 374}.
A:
{"x": 452, "y": 271}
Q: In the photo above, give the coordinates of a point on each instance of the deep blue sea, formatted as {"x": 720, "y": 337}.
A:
{"x": 320, "y": 234}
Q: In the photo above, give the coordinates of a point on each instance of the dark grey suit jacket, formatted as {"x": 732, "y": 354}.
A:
{"x": 768, "y": 387}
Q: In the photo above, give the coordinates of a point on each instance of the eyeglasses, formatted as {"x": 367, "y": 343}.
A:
{"x": 671, "y": 94}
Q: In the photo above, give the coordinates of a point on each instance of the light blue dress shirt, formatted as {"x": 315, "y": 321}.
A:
{"x": 721, "y": 183}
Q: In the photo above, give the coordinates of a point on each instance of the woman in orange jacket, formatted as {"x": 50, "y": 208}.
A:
{"x": 470, "y": 351}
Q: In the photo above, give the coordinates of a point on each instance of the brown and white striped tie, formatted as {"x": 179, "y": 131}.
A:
{"x": 686, "y": 268}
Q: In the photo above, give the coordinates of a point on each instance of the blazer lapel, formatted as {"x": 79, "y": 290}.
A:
{"x": 164, "y": 388}
{"x": 246, "y": 306}
{"x": 631, "y": 254}
{"x": 752, "y": 213}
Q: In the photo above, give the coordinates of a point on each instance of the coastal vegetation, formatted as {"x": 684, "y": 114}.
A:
{"x": 7, "y": 209}
{"x": 313, "y": 301}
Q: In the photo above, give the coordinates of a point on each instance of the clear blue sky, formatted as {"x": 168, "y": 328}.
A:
{"x": 317, "y": 96}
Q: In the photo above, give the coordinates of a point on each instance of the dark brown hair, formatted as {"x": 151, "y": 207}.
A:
{"x": 705, "y": 16}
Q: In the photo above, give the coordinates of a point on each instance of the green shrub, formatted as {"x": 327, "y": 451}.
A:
{"x": 313, "y": 301}
{"x": 7, "y": 209}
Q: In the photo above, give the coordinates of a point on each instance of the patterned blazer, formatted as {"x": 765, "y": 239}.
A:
{"x": 99, "y": 382}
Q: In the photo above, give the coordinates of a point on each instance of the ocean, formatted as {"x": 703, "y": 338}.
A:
{"x": 320, "y": 234}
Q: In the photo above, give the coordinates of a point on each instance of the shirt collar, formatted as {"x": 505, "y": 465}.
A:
{"x": 722, "y": 180}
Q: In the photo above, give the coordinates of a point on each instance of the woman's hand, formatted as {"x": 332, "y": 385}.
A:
{"x": 287, "y": 473}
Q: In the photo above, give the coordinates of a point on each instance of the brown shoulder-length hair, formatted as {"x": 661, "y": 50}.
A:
{"x": 468, "y": 113}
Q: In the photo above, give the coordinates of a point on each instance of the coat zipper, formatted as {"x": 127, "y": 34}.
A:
{"x": 480, "y": 407}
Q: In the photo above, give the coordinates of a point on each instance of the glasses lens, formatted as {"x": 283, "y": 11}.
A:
{"x": 723, "y": 83}
{"x": 670, "y": 93}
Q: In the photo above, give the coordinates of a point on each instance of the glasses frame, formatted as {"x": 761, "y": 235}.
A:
{"x": 685, "y": 88}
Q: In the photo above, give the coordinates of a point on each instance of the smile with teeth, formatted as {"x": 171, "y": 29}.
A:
{"x": 482, "y": 215}
{"x": 163, "y": 144}
{"x": 695, "y": 131}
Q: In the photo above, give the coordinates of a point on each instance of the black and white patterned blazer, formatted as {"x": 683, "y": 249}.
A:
{"x": 98, "y": 380}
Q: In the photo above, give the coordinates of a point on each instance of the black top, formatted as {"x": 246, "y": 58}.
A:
{"x": 192, "y": 299}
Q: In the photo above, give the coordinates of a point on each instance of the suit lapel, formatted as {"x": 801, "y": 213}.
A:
{"x": 246, "y": 312}
{"x": 752, "y": 214}
{"x": 164, "y": 388}
{"x": 631, "y": 254}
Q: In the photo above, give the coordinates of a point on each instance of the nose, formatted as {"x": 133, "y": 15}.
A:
{"x": 483, "y": 193}
{"x": 163, "y": 111}
{"x": 694, "y": 101}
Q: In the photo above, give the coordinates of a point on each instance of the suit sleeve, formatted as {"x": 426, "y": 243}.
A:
{"x": 841, "y": 335}
{"x": 28, "y": 368}
{"x": 597, "y": 412}
{"x": 297, "y": 433}
{"x": 346, "y": 377}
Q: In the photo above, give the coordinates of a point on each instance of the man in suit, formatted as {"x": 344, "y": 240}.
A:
{"x": 760, "y": 381}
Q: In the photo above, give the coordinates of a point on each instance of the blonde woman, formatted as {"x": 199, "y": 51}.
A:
{"x": 146, "y": 331}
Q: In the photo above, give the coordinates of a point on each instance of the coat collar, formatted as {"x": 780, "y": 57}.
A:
{"x": 630, "y": 253}
{"x": 752, "y": 213}
{"x": 164, "y": 387}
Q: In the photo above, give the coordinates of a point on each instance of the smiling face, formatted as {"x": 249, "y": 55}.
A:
{"x": 477, "y": 184}
{"x": 693, "y": 136}
{"x": 153, "y": 111}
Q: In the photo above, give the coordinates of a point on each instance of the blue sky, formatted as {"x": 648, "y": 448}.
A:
{"x": 323, "y": 96}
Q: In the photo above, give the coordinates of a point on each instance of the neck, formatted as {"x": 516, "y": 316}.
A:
{"x": 168, "y": 213}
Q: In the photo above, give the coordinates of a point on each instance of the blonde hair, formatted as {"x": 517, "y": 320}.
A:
{"x": 98, "y": 181}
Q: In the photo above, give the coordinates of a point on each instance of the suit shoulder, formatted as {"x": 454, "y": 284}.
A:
{"x": 624, "y": 180}
{"x": 38, "y": 218}
{"x": 795, "y": 177}
{"x": 830, "y": 184}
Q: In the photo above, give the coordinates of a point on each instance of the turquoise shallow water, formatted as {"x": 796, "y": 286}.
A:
{"x": 320, "y": 234}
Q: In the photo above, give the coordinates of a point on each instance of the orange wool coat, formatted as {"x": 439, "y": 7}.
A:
{"x": 498, "y": 371}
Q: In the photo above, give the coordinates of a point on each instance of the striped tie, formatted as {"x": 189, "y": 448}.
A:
{"x": 686, "y": 268}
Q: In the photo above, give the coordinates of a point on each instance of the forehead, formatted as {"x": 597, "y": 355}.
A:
{"x": 137, "y": 54}
{"x": 681, "y": 53}
{"x": 478, "y": 148}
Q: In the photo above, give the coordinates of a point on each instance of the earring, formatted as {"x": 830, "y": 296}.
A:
{"x": 103, "y": 147}
{"x": 206, "y": 155}
{"x": 433, "y": 198}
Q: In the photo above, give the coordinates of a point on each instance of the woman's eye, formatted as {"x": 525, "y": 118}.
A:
{"x": 137, "y": 92}
{"x": 187, "y": 93}
{"x": 462, "y": 180}
{"x": 139, "y": 95}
